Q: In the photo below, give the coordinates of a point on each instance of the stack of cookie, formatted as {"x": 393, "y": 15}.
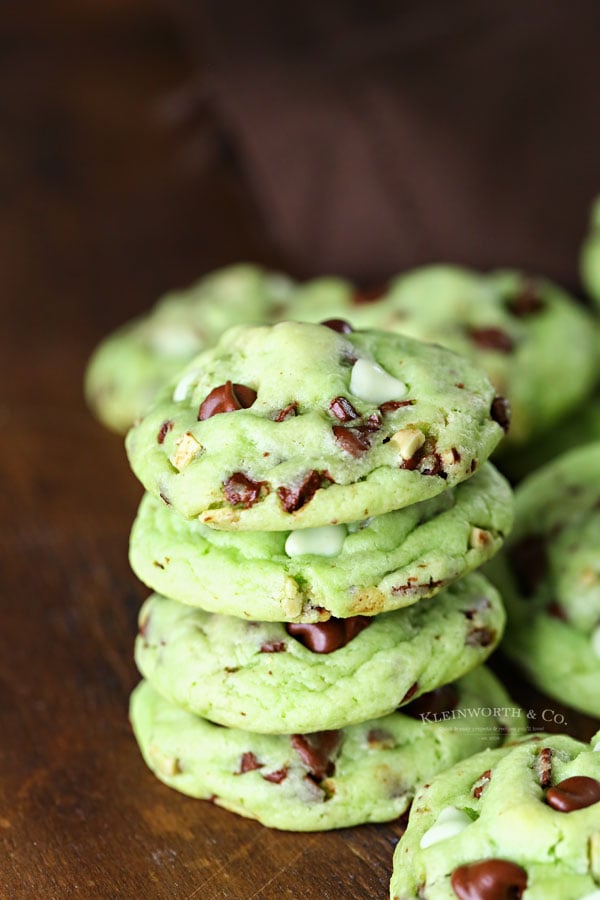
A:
{"x": 318, "y": 499}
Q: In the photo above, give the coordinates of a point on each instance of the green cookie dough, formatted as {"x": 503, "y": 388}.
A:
{"x": 128, "y": 368}
{"x": 504, "y": 823}
{"x": 258, "y": 677}
{"x": 537, "y": 345}
{"x": 330, "y": 428}
{"x": 589, "y": 262}
{"x": 549, "y": 576}
{"x": 377, "y": 565}
{"x": 364, "y": 773}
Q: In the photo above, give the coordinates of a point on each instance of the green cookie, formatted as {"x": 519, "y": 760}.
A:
{"x": 589, "y": 262}
{"x": 537, "y": 345}
{"x": 363, "y": 773}
{"x": 296, "y": 425}
{"x": 377, "y": 565}
{"x": 129, "y": 367}
{"x": 264, "y": 677}
{"x": 549, "y": 576}
{"x": 521, "y": 820}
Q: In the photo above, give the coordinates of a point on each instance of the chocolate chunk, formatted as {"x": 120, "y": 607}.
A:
{"x": 574, "y": 793}
{"x": 380, "y": 739}
{"x": 343, "y": 410}
{"x": 315, "y": 751}
{"x": 492, "y": 339}
{"x": 226, "y": 397}
{"x": 529, "y": 563}
{"x": 544, "y": 766}
{"x": 241, "y": 490}
{"x": 431, "y": 464}
{"x": 276, "y": 777}
{"x": 426, "y": 459}
{"x": 325, "y": 637}
{"x": 442, "y": 699}
{"x": 353, "y": 440}
{"x": 481, "y": 783}
{"x": 248, "y": 763}
{"x": 555, "y": 610}
{"x": 294, "y": 498}
{"x": 490, "y": 879}
{"x": 500, "y": 412}
{"x": 273, "y": 647}
{"x": 526, "y": 302}
{"x": 339, "y": 325}
{"x": 286, "y": 413}
{"x": 410, "y": 692}
{"x": 369, "y": 294}
{"x": 391, "y": 406}
{"x": 480, "y": 637}
{"x": 164, "y": 430}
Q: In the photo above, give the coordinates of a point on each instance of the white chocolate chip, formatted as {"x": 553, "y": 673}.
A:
{"x": 479, "y": 538}
{"x": 324, "y": 541}
{"x": 165, "y": 764}
{"x": 450, "y": 822}
{"x": 186, "y": 448}
{"x": 371, "y": 383}
{"x": 596, "y": 641}
{"x": 408, "y": 441}
{"x": 183, "y": 387}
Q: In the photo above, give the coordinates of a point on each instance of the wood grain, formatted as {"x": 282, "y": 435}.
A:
{"x": 103, "y": 205}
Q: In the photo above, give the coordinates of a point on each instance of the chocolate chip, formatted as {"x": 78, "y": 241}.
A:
{"x": 294, "y": 498}
{"x": 544, "y": 766}
{"x": 226, "y": 397}
{"x": 410, "y": 692}
{"x": 426, "y": 460}
{"x": 490, "y": 879}
{"x": 574, "y": 793}
{"x": 164, "y": 498}
{"x": 273, "y": 647}
{"x": 391, "y": 406}
{"x": 369, "y": 294}
{"x": 326, "y": 637}
{"x": 500, "y": 412}
{"x": 527, "y": 301}
{"x": 249, "y": 763}
{"x": 379, "y": 739}
{"x": 342, "y": 409}
{"x": 315, "y": 750}
{"x": 243, "y": 491}
{"x": 287, "y": 412}
{"x": 529, "y": 562}
{"x": 276, "y": 777}
{"x": 339, "y": 325}
{"x": 437, "y": 701}
{"x": 492, "y": 339}
{"x": 481, "y": 783}
{"x": 414, "y": 586}
{"x": 164, "y": 430}
{"x": 353, "y": 440}
{"x": 555, "y": 610}
{"x": 480, "y": 637}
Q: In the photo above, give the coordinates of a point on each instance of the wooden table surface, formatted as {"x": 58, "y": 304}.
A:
{"x": 106, "y": 200}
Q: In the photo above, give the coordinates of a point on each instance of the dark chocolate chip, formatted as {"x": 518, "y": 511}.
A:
{"x": 369, "y": 294}
{"x": 544, "y": 766}
{"x": 164, "y": 430}
{"x": 574, "y": 793}
{"x": 500, "y": 412}
{"x": 241, "y": 490}
{"x": 380, "y": 739}
{"x": 273, "y": 647}
{"x": 326, "y": 637}
{"x": 342, "y": 409}
{"x": 490, "y": 879}
{"x": 294, "y": 498}
{"x": 226, "y": 397}
{"x": 410, "y": 692}
{"x": 492, "y": 339}
{"x": 437, "y": 701}
{"x": 249, "y": 763}
{"x": 527, "y": 301}
{"x": 480, "y": 637}
{"x": 354, "y": 441}
{"x": 529, "y": 562}
{"x": 287, "y": 412}
{"x": 391, "y": 406}
{"x": 481, "y": 783}
{"x": 555, "y": 610}
{"x": 339, "y": 325}
{"x": 315, "y": 751}
{"x": 276, "y": 777}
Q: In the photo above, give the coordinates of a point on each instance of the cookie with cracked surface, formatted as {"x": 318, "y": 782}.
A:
{"x": 364, "y": 568}
{"x": 522, "y": 820}
{"x": 549, "y": 576}
{"x": 296, "y": 426}
{"x": 272, "y": 677}
{"x": 362, "y": 773}
{"x": 536, "y": 343}
{"x": 128, "y": 368}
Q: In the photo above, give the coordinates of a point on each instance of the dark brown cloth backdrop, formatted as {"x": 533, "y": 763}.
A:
{"x": 376, "y": 136}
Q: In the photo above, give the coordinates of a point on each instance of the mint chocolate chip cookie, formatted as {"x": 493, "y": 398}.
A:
{"x": 519, "y": 821}
{"x": 295, "y": 426}
{"x": 333, "y": 779}
{"x": 549, "y": 577}
{"x": 129, "y": 367}
{"x": 363, "y": 568}
{"x": 272, "y": 677}
{"x": 537, "y": 345}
